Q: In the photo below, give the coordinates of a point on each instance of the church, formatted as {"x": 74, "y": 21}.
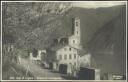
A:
{"x": 65, "y": 56}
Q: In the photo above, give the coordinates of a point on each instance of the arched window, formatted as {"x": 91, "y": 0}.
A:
{"x": 76, "y": 23}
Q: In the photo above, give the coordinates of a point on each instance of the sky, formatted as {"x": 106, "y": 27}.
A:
{"x": 97, "y": 4}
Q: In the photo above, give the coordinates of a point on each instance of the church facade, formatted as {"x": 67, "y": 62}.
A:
{"x": 67, "y": 54}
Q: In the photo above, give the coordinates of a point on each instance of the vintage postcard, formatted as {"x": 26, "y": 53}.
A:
{"x": 63, "y": 41}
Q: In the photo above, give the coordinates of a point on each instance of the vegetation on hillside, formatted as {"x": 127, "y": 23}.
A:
{"x": 27, "y": 26}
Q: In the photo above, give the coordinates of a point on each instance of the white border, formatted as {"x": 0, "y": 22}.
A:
{"x": 66, "y": 80}
{"x": 126, "y": 38}
{"x": 1, "y": 43}
{"x": 64, "y": 1}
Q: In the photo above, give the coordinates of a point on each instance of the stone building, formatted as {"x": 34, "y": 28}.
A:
{"x": 65, "y": 55}
{"x": 37, "y": 56}
{"x": 85, "y": 60}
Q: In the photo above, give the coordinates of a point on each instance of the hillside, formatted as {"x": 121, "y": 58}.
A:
{"x": 28, "y": 24}
{"x": 108, "y": 45}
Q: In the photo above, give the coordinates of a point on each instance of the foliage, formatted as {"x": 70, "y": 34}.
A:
{"x": 10, "y": 67}
{"x": 26, "y": 24}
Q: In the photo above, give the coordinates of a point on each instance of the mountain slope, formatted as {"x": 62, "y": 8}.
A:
{"x": 108, "y": 45}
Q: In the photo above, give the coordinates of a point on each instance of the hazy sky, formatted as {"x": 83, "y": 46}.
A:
{"x": 92, "y": 4}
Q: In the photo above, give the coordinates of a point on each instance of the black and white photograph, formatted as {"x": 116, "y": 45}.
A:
{"x": 63, "y": 41}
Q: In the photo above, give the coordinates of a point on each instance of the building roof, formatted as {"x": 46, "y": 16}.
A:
{"x": 58, "y": 46}
{"x": 92, "y": 68}
{"x": 81, "y": 52}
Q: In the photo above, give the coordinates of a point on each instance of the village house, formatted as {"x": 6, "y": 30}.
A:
{"x": 85, "y": 60}
{"x": 37, "y": 56}
{"x": 68, "y": 56}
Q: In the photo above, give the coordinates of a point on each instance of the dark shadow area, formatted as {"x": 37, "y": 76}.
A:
{"x": 63, "y": 68}
{"x": 54, "y": 71}
{"x": 68, "y": 77}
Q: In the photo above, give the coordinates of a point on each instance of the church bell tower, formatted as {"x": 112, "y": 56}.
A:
{"x": 76, "y": 27}
{"x": 75, "y": 39}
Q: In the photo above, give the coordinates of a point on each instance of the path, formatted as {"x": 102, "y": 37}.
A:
{"x": 39, "y": 72}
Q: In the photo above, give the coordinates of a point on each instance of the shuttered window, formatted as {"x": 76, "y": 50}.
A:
{"x": 60, "y": 57}
{"x": 65, "y": 56}
{"x": 74, "y": 56}
{"x": 70, "y": 56}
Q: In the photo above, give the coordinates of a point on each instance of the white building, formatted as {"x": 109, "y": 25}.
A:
{"x": 66, "y": 52}
{"x": 67, "y": 55}
{"x": 39, "y": 55}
